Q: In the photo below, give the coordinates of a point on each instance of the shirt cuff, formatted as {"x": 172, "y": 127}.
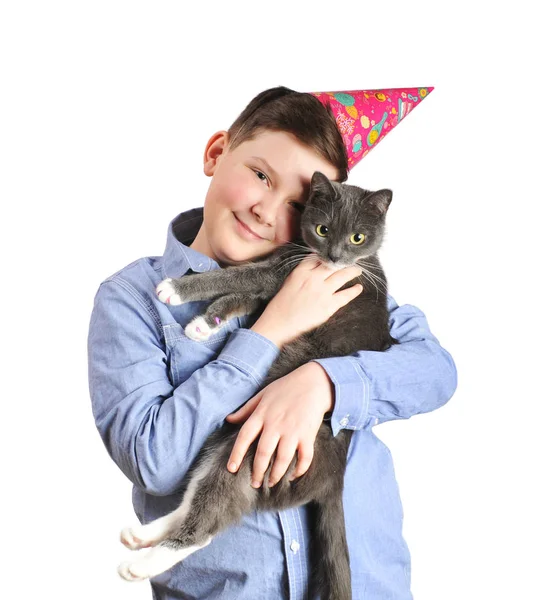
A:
{"x": 352, "y": 392}
{"x": 250, "y": 352}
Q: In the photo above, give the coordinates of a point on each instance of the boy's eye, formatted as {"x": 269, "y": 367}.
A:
{"x": 297, "y": 205}
{"x": 263, "y": 178}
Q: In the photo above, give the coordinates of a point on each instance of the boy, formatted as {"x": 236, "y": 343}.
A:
{"x": 157, "y": 395}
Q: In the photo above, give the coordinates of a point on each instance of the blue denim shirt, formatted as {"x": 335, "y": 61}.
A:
{"x": 157, "y": 395}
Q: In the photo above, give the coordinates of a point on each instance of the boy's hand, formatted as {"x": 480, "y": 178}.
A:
{"x": 308, "y": 298}
{"x": 287, "y": 414}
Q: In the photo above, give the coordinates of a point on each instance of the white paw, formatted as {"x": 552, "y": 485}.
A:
{"x": 132, "y": 539}
{"x": 167, "y": 293}
{"x": 198, "y": 330}
{"x": 126, "y": 573}
{"x": 155, "y": 561}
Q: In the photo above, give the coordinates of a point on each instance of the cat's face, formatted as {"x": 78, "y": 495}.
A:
{"x": 343, "y": 223}
{"x": 257, "y": 184}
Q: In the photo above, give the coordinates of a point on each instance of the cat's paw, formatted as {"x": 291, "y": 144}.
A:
{"x": 143, "y": 568}
{"x": 167, "y": 292}
{"x": 132, "y": 539}
{"x": 198, "y": 330}
{"x": 125, "y": 572}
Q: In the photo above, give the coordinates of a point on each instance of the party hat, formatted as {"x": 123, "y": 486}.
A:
{"x": 365, "y": 117}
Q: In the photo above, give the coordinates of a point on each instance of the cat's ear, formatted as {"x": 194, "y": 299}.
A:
{"x": 381, "y": 199}
{"x": 320, "y": 185}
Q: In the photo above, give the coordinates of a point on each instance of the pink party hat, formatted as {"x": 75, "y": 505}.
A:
{"x": 365, "y": 117}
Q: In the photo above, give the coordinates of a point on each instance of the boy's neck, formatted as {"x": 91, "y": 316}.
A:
{"x": 200, "y": 243}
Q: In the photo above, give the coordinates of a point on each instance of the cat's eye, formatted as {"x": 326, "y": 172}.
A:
{"x": 322, "y": 230}
{"x": 357, "y": 239}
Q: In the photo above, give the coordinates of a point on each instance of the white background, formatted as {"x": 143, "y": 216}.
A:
{"x": 105, "y": 111}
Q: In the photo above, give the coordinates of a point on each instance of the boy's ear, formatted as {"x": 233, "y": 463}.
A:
{"x": 320, "y": 185}
{"x": 215, "y": 148}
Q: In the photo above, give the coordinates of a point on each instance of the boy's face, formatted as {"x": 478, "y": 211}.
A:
{"x": 256, "y": 184}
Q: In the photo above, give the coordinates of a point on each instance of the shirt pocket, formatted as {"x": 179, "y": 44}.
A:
{"x": 185, "y": 356}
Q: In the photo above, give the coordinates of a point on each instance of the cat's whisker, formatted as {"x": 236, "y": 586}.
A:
{"x": 375, "y": 278}
{"x": 302, "y": 251}
{"x": 291, "y": 259}
{"x": 372, "y": 265}
{"x": 380, "y": 279}
{"x": 372, "y": 281}
{"x": 369, "y": 267}
{"x": 306, "y": 248}
{"x": 290, "y": 265}
{"x": 303, "y": 256}
{"x": 369, "y": 264}
{"x": 296, "y": 256}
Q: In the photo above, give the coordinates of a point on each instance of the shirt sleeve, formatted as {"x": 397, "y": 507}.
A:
{"x": 415, "y": 376}
{"x": 152, "y": 430}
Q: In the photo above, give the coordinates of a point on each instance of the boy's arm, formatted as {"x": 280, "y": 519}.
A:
{"x": 152, "y": 430}
{"x": 415, "y": 376}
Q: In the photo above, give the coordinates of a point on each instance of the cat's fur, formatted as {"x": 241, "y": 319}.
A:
{"x": 215, "y": 498}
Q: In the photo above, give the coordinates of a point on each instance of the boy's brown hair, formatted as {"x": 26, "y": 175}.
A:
{"x": 302, "y": 115}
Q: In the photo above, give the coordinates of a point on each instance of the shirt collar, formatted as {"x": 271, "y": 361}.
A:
{"x": 178, "y": 257}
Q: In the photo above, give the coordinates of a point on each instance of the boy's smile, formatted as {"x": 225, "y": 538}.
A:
{"x": 257, "y": 188}
{"x": 247, "y": 232}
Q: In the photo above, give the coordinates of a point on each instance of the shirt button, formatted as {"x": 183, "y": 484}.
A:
{"x": 294, "y": 546}
{"x": 344, "y": 421}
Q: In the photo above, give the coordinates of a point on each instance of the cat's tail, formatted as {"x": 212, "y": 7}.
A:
{"x": 330, "y": 559}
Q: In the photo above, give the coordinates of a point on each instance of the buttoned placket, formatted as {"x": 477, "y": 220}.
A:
{"x": 296, "y": 559}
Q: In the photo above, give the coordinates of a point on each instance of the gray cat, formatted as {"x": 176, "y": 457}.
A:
{"x": 340, "y": 224}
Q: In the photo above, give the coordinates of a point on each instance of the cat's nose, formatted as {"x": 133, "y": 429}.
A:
{"x": 333, "y": 256}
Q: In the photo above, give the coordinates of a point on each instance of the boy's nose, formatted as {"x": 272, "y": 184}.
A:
{"x": 264, "y": 217}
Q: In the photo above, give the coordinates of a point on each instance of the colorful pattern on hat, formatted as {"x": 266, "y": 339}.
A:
{"x": 365, "y": 117}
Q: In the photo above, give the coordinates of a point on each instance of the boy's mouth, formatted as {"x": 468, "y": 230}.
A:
{"x": 247, "y": 231}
